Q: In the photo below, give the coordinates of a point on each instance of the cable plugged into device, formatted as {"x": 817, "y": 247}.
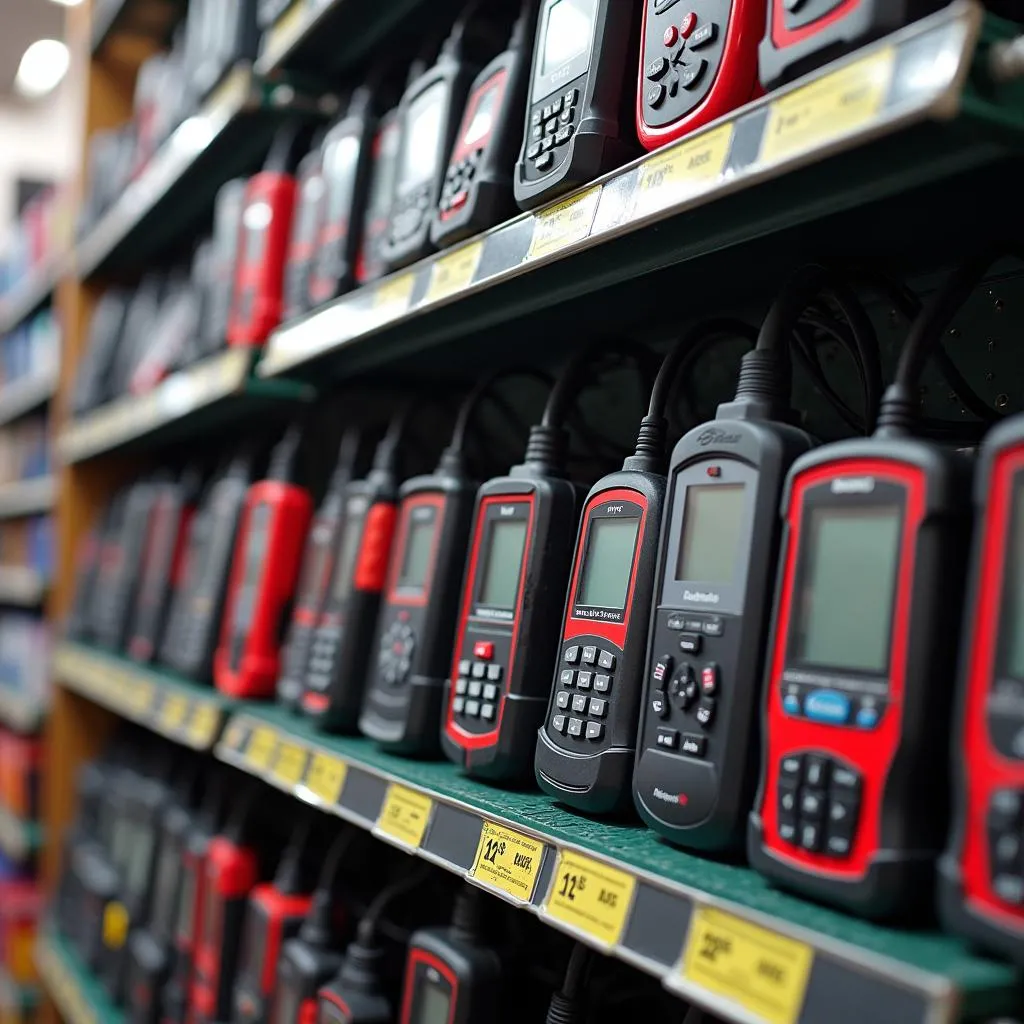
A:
{"x": 566, "y": 1006}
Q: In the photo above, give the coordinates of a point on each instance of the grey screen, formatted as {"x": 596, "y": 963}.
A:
{"x": 423, "y": 125}
{"x": 567, "y": 33}
{"x": 607, "y": 562}
{"x": 344, "y": 568}
{"x": 435, "y": 1005}
{"x": 416, "y": 558}
{"x": 712, "y": 521}
{"x": 1015, "y": 591}
{"x": 502, "y": 562}
{"x": 845, "y": 600}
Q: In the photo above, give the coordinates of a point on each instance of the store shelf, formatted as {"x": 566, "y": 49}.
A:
{"x": 26, "y": 394}
{"x": 181, "y": 710}
{"x": 189, "y": 403}
{"x": 33, "y": 291}
{"x": 21, "y": 586}
{"x": 659, "y": 902}
{"x": 17, "y": 711}
{"x": 19, "y": 839}
{"x": 172, "y": 195}
{"x": 79, "y": 997}
{"x": 902, "y": 114}
{"x": 27, "y": 497}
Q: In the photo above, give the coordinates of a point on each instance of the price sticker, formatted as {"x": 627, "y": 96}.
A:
{"x": 564, "y": 224}
{"x": 286, "y": 30}
{"x": 325, "y": 777}
{"x": 174, "y": 712}
{"x": 115, "y": 925}
{"x": 682, "y": 171}
{"x": 829, "y": 108}
{"x": 290, "y": 763}
{"x": 453, "y": 272}
{"x": 758, "y": 969}
{"x": 202, "y": 726}
{"x": 590, "y": 896}
{"x": 507, "y": 860}
{"x": 139, "y": 695}
{"x": 404, "y": 815}
{"x": 234, "y": 736}
{"x": 231, "y": 94}
{"x": 260, "y": 751}
{"x": 391, "y": 297}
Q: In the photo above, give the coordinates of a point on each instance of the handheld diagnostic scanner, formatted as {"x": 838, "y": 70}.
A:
{"x": 585, "y": 748}
{"x": 698, "y": 62}
{"x": 270, "y": 196}
{"x": 853, "y": 799}
{"x": 264, "y": 572}
{"x": 370, "y": 261}
{"x": 804, "y": 34}
{"x": 697, "y": 759}
{"x": 512, "y": 597}
{"x": 343, "y": 638}
{"x": 194, "y": 620}
{"x": 306, "y": 221}
{"x": 406, "y": 680}
{"x": 228, "y": 208}
{"x": 477, "y": 190}
{"x": 579, "y": 117}
{"x": 220, "y": 34}
{"x": 87, "y": 564}
{"x": 315, "y": 576}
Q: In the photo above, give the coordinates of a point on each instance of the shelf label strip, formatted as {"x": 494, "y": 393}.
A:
{"x": 507, "y": 860}
{"x": 325, "y": 778}
{"x": 590, "y": 897}
{"x": 405, "y": 815}
{"x": 564, "y": 224}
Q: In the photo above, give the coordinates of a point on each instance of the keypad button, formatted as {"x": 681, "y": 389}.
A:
{"x": 706, "y": 34}
{"x": 567, "y": 677}
{"x": 694, "y": 746}
{"x": 1009, "y": 888}
{"x": 569, "y": 98}
{"x": 606, "y": 660}
{"x": 812, "y": 804}
{"x": 844, "y": 781}
{"x": 589, "y": 655}
{"x": 556, "y": 105}
{"x": 689, "y": 643}
{"x": 558, "y": 724}
{"x": 460, "y": 686}
{"x": 671, "y": 36}
{"x": 791, "y": 704}
{"x": 659, "y": 705}
{"x": 536, "y": 117}
{"x": 837, "y": 845}
{"x": 598, "y": 707}
{"x": 787, "y": 830}
{"x": 866, "y": 717}
{"x": 562, "y": 699}
{"x": 676, "y": 621}
{"x": 788, "y": 798}
{"x": 816, "y": 772}
{"x": 576, "y": 727}
{"x": 810, "y": 835}
{"x": 1006, "y": 850}
{"x": 547, "y": 144}
{"x": 464, "y": 668}
{"x": 473, "y": 708}
{"x": 595, "y": 730}
{"x": 487, "y": 712}
{"x": 709, "y": 679}
{"x": 579, "y": 704}
{"x": 490, "y": 691}
{"x": 657, "y": 68}
{"x": 656, "y": 95}
{"x": 571, "y": 656}
{"x": 713, "y": 626}
{"x": 546, "y": 112}
{"x": 691, "y": 75}
{"x": 791, "y": 767}
{"x": 706, "y": 712}
{"x": 567, "y": 116}
{"x": 688, "y": 24}
{"x": 475, "y": 688}
{"x": 683, "y": 688}
{"x": 494, "y": 673}
{"x": 483, "y": 649}
{"x": 602, "y": 683}
{"x": 584, "y": 679}
{"x": 550, "y": 127}
{"x": 479, "y": 670}
{"x": 563, "y": 135}
{"x": 662, "y": 671}
{"x": 459, "y": 705}
{"x": 668, "y": 739}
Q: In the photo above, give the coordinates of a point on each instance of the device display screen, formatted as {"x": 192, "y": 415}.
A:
{"x": 309, "y": 207}
{"x": 845, "y": 599}
{"x": 607, "y": 562}
{"x": 255, "y": 553}
{"x": 379, "y": 201}
{"x": 139, "y": 854}
{"x": 712, "y": 521}
{"x": 483, "y": 117}
{"x": 503, "y": 560}
{"x": 351, "y": 535}
{"x": 568, "y": 32}
{"x": 340, "y": 158}
{"x": 416, "y": 559}
{"x": 253, "y": 936}
{"x": 423, "y": 136}
{"x": 435, "y": 1004}
{"x": 1013, "y": 617}
{"x": 315, "y": 579}
{"x": 213, "y": 904}
{"x": 186, "y": 904}
{"x": 166, "y": 887}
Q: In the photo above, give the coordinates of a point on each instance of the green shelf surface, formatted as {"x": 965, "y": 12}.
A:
{"x": 79, "y": 996}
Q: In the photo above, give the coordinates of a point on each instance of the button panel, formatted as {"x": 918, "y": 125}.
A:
{"x": 409, "y": 213}
{"x": 852, "y": 706}
{"x": 397, "y": 646}
{"x": 581, "y": 695}
{"x": 481, "y": 678}
{"x": 553, "y": 122}
{"x": 457, "y": 181}
{"x": 818, "y": 804}
{"x": 1005, "y": 834}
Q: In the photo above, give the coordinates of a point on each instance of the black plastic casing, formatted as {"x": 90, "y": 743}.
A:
{"x": 595, "y": 776}
{"x": 604, "y": 132}
{"x": 530, "y": 641}
{"x": 720, "y": 785}
{"x": 906, "y": 790}
{"x": 302, "y": 970}
{"x": 402, "y": 710}
{"x": 339, "y": 1004}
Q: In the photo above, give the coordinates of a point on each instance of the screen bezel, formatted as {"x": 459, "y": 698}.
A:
{"x": 602, "y": 613}
{"x": 557, "y": 79}
{"x": 521, "y": 510}
{"x": 1004, "y": 639}
{"x": 442, "y": 89}
{"x": 418, "y": 509}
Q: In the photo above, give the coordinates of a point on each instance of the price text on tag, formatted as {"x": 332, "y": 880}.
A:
{"x": 260, "y": 750}
{"x": 173, "y": 712}
{"x": 682, "y": 171}
{"x": 404, "y": 815}
{"x": 115, "y": 925}
{"x": 453, "y": 272}
{"x": 507, "y": 860}
{"x": 290, "y": 763}
{"x": 591, "y": 896}
{"x": 202, "y": 725}
{"x": 756, "y": 968}
{"x": 140, "y": 694}
{"x": 564, "y": 224}
{"x": 828, "y": 108}
{"x": 391, "y": 297}
{"x": 325, "y": 777}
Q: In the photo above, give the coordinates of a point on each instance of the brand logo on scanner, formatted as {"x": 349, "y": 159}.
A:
{"x": 612, "y": 509}
{"x": 507, "y": 510}
{"x": 670, "y": 798}
{"x": 701, "y": 596}
{"x": 853, "y": 485}
{"x": 715, "y": 435}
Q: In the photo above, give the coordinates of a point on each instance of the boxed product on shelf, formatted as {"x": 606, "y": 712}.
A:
{"x": 20, "y": 758}
{"x": 25, "y": 648}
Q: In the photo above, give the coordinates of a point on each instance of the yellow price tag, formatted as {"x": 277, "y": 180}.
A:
{"x": 564, "y": 224}
{"x": 290, "y": 764}
{"x": 404, "y": 815}
{"x": 287, "y": 28}
{"x": 260, "y": 751}
{"x": 202, "y": 726}
{"x": 391, "y": 297}
{"x": 682, "y": 171}
{"x": 230, "y": 94}
{"x": 829, "y": 108}
{"x": 590, "y": 896}
{"x": 325, "y": 777}
{"x": 234, "y": 736}
{"x": 173, "y": 712}
{"x": 749, "y": 965}
{"x": 453, "y": 271}
{"x": 507, "y": 860}
{"x": 115, "y": 925}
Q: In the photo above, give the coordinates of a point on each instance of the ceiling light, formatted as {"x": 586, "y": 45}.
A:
{"x": 42, "y": 67}
{"x": 68, "y": 3}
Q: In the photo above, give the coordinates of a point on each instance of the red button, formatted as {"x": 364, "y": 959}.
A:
{"x": 483, "y": 649}
{"x": 670, "y": 36}
{"x": 688, "y": 25}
